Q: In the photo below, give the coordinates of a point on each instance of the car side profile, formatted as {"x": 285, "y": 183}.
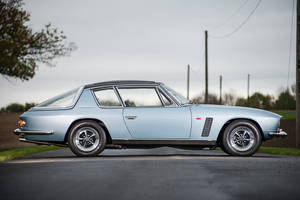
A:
{"x": 143, "y": 114}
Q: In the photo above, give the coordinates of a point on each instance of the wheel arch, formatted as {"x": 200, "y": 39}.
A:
{"x": 101, "y": 123}
{"x": 226, "y": 124}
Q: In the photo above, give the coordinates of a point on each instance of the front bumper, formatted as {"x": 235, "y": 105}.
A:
{"x": 19, "y": 132}
{"x": 280, "y": 133}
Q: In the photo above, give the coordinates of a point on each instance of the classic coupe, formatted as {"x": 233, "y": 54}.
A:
{"x": 143, "y": 114}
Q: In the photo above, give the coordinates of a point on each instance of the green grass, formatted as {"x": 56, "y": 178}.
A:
{"x": 286, "y": 114}
{"x": 8, "y": 154}
{"x": 280, "y": 151}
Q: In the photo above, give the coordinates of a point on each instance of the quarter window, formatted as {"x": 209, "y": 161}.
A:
{"x": 136, "y": 97}
{"x": 107, "y": 97}
{"x": 61, "y": 101}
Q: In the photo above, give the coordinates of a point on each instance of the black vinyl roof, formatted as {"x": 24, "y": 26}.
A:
{"x": 120, "y": 82}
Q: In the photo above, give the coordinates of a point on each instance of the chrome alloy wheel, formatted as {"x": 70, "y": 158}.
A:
{"x": 86, "y": 139}
{"x": 241, "y": 138}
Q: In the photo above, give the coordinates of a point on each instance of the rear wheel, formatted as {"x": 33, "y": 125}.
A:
{"x": 87, "y": 138}
{"x": 241, "y": 138}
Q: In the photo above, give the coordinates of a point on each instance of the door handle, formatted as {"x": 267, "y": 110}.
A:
{"x": 131, "y": 117}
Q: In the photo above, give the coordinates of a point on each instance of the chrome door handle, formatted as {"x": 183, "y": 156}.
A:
{"x": 131, "y": 117}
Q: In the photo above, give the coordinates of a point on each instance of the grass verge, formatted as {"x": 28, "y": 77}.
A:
{"x": 8, "y": 154}
{"x": 280, "y": 151}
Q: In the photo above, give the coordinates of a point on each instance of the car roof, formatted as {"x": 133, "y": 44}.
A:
{"x": 120, "y": 82}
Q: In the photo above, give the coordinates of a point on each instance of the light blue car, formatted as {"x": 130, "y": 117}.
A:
{"x": 143, "y": 114}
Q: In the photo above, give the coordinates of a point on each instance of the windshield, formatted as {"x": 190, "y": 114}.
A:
{"x": 181, "y": 99}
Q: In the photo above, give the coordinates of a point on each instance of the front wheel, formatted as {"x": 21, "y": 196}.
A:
{"x": 87, "y": 138}
{"x": 241, "y": 138}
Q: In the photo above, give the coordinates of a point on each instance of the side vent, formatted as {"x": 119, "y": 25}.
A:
{"x": 207, "y": 126}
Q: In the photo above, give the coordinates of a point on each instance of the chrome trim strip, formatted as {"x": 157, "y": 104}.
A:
{"x": 19, "y": 131}
{"x": 163, "y": 142}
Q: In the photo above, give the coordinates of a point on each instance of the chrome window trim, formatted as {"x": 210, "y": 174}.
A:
{"x": 78, "y": 94}
{"x": 168, "y": 97}
{"x": 160, "y": 97}
{"x": 140, "y": 86}
{"x": 125, "y": 85}
{"x": 159, "y": 86}
{"x": 164, "y": 91}
{"x": 103, "y": 88}
{"x": 119, "y": 96}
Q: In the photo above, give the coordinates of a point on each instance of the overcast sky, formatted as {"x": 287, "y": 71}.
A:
{"x": 156, "y": 39}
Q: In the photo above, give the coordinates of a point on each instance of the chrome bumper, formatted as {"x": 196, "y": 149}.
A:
{"x": 281, "y": 133}
{"x": 19, "y": 131}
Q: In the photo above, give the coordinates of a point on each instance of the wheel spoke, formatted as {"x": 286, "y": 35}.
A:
{"x": 85, "y": 133}
{"x": 243, "y": 134}
{"x": 236, "y": 134}
{"x": 91, "y": 141}
{"x": 92, "y": 135}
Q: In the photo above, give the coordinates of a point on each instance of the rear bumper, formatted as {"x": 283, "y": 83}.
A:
{"x": 19, "y": 132}
{"x": 280, "y": 133}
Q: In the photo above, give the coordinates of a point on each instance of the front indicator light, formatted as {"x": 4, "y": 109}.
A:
{"x": 21, "y": 123}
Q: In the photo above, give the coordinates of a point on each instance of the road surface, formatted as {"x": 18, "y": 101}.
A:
{"x": 162, "y": 173}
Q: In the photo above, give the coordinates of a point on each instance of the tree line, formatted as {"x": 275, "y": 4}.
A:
{"x": 285, "y": 101}
{"x": 17, "y": 107}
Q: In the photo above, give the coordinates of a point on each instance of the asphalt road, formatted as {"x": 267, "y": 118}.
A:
{"x": 163, "y": 173}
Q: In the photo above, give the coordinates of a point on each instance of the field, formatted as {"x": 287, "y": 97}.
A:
{"x": 9, "y": 122}
{"x": 286, "y": 114}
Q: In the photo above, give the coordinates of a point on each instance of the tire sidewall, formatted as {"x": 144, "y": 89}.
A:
{"x": 257, "y": 138}
{"x": 101, "y": 133}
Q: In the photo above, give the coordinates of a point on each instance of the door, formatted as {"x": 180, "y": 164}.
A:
{"x": 146, "y": 117}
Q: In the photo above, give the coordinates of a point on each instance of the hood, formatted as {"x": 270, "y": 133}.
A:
{"x": 234, "y": 109}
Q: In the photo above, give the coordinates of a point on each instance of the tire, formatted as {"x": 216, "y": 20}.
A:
{"x": 241, "y": 138}
{"x": 223, "y": 149}
{"x": 87, "y": 138}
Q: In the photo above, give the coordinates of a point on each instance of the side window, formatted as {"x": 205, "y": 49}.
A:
{"x": 166, "y": 100}
{"x": 107, "y": 97}
{"x": 135, "y": 97}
